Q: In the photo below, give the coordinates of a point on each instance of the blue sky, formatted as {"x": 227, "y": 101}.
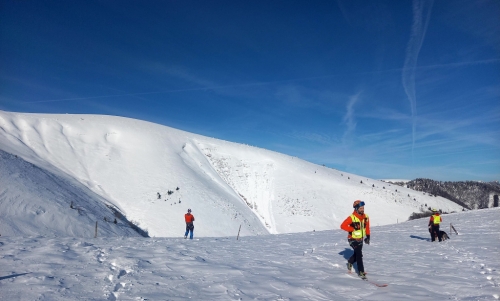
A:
{"x": 384, "y": 89}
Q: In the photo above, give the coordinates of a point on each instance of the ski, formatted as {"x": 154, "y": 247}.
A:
{"x": 369, "y": 281}
{"x": 376, "y": 284}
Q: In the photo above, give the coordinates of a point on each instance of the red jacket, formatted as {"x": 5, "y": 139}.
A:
{"x": 189, "y": 217}
{"x": 348, "y": 224}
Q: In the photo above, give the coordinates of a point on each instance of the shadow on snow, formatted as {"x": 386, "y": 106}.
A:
{"x": 346, "y": 253}
{"x": 12, "y": 276}
{"x": 421, "y": 238}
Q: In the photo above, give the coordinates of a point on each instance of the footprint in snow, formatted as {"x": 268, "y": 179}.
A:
{"x": 122, "y": 273}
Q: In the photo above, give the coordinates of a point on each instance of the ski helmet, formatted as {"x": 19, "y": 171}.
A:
{"x": 358, "y": 204}
{"x": 434, "y": 210}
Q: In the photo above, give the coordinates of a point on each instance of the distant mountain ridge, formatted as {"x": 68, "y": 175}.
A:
{"x": 468, "y": 194}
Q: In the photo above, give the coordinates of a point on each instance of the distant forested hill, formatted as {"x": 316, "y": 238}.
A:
{"x": 469, "y": 194}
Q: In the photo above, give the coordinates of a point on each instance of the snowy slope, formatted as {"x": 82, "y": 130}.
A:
{"x": 35, "y": 202}
{"x": 126, "y": 162}
{"x": 300, "y": 266}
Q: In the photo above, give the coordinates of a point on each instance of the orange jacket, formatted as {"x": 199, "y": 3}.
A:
{"x": 348, "y": 224}
{"x": 189, "y": 217}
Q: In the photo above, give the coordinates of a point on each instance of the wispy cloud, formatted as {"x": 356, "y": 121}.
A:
{"x": 178, "y": 72}
{"x": 319, "y": 138}
{"x": 349, "y": 119}
{"x": 443, "y": 146}
{"x": 436, "y": 135}
{"x": 289, "y": 94}
{"x": 421, "y": 15}
{"x": 205, "y": 85}
{"x": 386, "y": 114}
{"x": 300, "y": 96}
{"x": 343, "y": 10}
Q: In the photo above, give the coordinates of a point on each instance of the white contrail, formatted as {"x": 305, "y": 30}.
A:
{"x": 421, "y": 15}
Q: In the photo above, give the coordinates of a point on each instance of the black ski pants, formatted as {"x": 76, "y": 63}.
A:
{"x": 357, "y": 257}
{"x": 435, "y": 232}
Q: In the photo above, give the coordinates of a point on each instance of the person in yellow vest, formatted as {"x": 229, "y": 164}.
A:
{"x": 434, "y": 222}
{"x": 358, "y": 227}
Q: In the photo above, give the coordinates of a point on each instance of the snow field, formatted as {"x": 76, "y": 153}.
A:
{"x": 301, "y": 266}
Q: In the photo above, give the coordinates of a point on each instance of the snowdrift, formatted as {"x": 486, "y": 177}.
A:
{"x": 36, "y": 202}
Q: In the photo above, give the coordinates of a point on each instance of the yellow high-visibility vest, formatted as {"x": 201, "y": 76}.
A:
{"x": 358, "y": 234}
{"x": 437, "y": 219}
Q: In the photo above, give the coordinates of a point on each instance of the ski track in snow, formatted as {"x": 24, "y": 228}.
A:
{"x": 303, "y": 266}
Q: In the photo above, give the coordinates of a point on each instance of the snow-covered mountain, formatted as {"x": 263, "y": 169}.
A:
{"x": 107, "y": 164}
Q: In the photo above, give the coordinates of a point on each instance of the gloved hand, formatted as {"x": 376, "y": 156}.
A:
{"x": 356, "y": 226}
{"x": 367, "y": 239}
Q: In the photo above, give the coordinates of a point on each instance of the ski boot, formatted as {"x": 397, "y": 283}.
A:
{"x": 349, "y": 266}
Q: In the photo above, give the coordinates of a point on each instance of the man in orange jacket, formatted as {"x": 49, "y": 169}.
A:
{"x": 189, "y": 224}
{"x": 358, "y": 227}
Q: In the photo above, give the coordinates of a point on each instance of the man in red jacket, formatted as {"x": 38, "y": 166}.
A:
{"x": 434, "y": 222}
{"x": 189, "y": 224}
{"x": 358, "y": 227}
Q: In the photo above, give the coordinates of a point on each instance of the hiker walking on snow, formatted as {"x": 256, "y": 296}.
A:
{"x": 189, "y": 224}
{"x": 358, "y": 227}
{"x": 434, "y": 222}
